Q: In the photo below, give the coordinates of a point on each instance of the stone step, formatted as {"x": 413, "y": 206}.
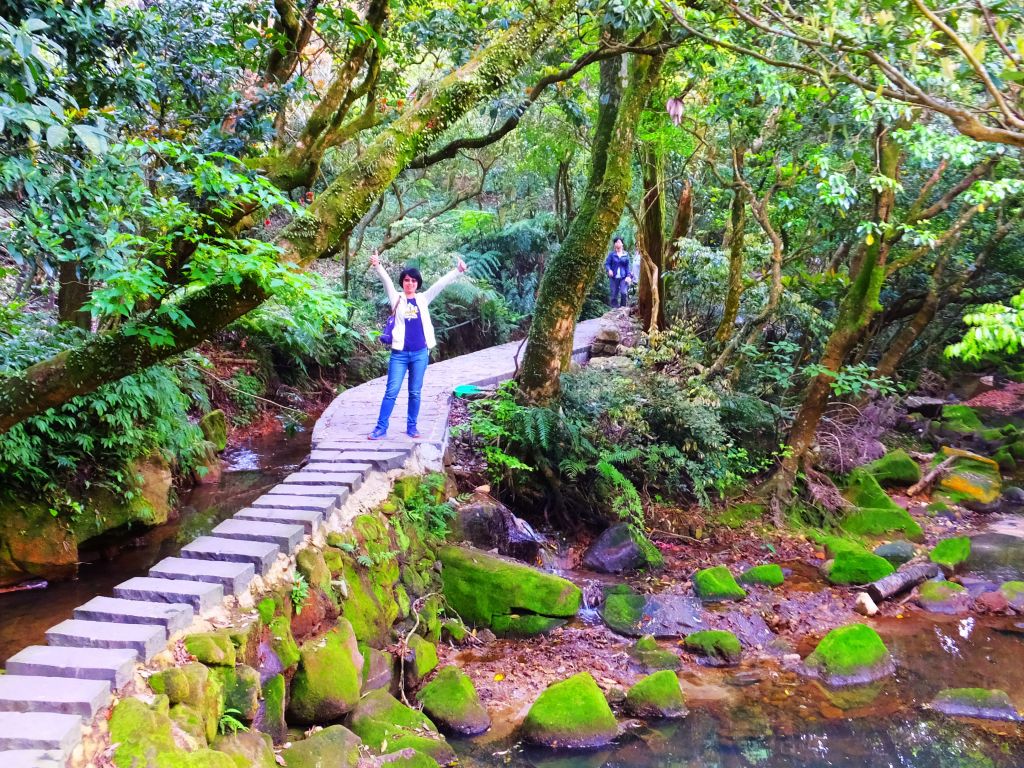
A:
{"x": 40, "y": 730}
{"x": 321, "y": 504}
{"x": 203, "y": 596}
{"x": 337, "y": 493}
{"x": 58, "y": 695}
{"x": 31, "y": 758}
{"x": 362, "y": 444}
{"x": 145, "y": 639}
{"x": 173, "y": 616}
{"x": 382, "y": 460}
{"x": 115, "y": 665}
{"x": 340, "y": 467}
{"x": 261, "y": 554}
{"x": 233, "y": 577}
{"x": 286, "y": 535}
{"x": 353, "y": 480}
{"x": 307, "y": 518}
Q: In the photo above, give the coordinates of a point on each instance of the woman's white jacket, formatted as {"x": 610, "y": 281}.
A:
{"x": 397, "y": 301}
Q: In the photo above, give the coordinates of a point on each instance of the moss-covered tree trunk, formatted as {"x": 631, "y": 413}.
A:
{"x": 571, "y": 271}
{"x": 651, "y": 237}
{"x": 737, "y": 223}
{"x": 113, "y": 355}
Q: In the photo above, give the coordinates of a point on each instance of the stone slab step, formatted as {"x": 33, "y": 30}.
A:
{"x": 309, "y": 519}
{"x": 145, "y": 639}
{"x": 203, "y": 596}
{"x": 353, "y": 480}
{"x": 337, "y": 493}
{"x": 341, "y": 467}
{"x": 173, "y": 616}
{"x": 115, "y": 665}
{"x": 57, "y": 695}
{"x": 321, "y": 504}
{"x": 260, "y": 553}
{"x": 370, "y": 446}
{"x": 40, "y": 730}
{"x": 31, "y": 758}
{"x": 285, "y": 535}
{"x": 383, "y": 460}
{"x": 233, "y": 577}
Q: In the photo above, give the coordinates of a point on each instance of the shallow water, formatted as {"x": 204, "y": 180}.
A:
{"x": 249, "y": 471}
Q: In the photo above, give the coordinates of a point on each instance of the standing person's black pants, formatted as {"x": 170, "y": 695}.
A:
{"x": 618, "y": 292}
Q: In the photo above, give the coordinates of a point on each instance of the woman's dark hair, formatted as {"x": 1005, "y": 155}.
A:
{"x": 414, "y": 274}
{"x": 618, "y": 239}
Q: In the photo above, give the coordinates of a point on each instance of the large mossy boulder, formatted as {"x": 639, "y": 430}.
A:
{"x": 717, "y": 584}
{"x": 882, "y": 522}
{"x": 214, "y": 427}
{"x": 381, "y": 720}
{"x": 241, "y": 690}
{"x": 715, "y": 644}
{"x": 656, "y": 696}
{"x": 572, "y": 714}
{"x": 976, "y": 702}
{"x": 333, "y": 747}
{"x": 486, "y": 590}
{"x": 857, "y": 567}
{"x": 961, "y": 419}
{"x": 971, "y": 479}
{"x": 943, "y": 597}
{"x": 850, "y": 655}
{"x": 328, "y": 682}
{"x": 142, "y": 734}
{"x": 198, "y": 688}
{"x": 864, "y": 491}
{"x": 895, "y": 468}
{"x": 619, "y": 549}
{"x": 952, "y": 553}
{"x": 662, "y": 615}
{"x": 647, "y": 653}
{"x": 214, "y": 649}
{"x": 248, "y": 749}
{"x": 768, "y": 575}
{"x": 450, "y": 700}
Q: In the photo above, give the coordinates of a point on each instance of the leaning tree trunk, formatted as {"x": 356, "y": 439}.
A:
{"x": 570, "y": 272}
{"x": 113, "y": 355}
{"x": 737, "y": 222}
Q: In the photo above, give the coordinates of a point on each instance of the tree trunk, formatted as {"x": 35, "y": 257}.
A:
{"x": 72, "y": 295}
{"x": 651, "y": 239}
{"x": 571, "y": 272}
{"x": 323, "y": 227}
{"x": 737, "y": 222}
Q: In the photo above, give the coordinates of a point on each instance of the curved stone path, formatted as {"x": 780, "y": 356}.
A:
{"x": 50, "y": 693}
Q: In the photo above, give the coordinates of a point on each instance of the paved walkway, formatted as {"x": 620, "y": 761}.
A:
{"x": 51, "y": 693}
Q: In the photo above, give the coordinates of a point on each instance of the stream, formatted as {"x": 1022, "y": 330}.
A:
{"x": 249, "y": 471}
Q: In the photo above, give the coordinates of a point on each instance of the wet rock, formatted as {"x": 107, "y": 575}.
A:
{"x": 997, "y": 555}
{"x": 488, "y": 524}
{"x": 750, "y": 628}
{"x": 850, "y": 655}
{"x": 927, "y": 406}
{"x": 649, "y": 654}
{"x": 483, "y": 588}
{"x": 1013, "y": 496}
{"x": 991, "y": 602}
{"x": 943, "y": 597}
{"x": 896, "y": 552}
{"x": 864, "y": 605}
{"x": 420, "y": 660}
{"x": 335, "y": 746}
{"x": 270, "y": 715}
{"x": 248, "y": 748}
{"x": 976, "y": 702}
{"x": 328, "y": 681}
{"x": 656, "y": 696}
{"x": 377, "y": 668}
{"x": 381, "y": 719}
{"x": 857, "y": 567}
{"x": 895, "y": 468}
{"x": 717, "y": 584}
{"x": 618, "y": 549}
{"x": 951, "y": 554}
{"x": 451, "y": 701}
{"x": 972, "y": 478}
{"x": 1013, "y": 592}
{"x": 769, "y": 575}
{"x": 977, "y": 586}
{"x": 714, "y": 644}
{"x": 193, "y": 686}
{"x": 214, "y": 426}
{"x": 241, "y": 690}
{"x": 212, "y": 648}
{"x": 572, "y": 714}
{"x": 663, "y": 615}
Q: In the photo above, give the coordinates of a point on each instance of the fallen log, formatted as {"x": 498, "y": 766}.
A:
{"x": 926, "y": 482}
{"x": 906, "y": 578}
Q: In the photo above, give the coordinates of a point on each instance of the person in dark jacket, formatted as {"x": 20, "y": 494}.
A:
{"x": 619, "y": 275}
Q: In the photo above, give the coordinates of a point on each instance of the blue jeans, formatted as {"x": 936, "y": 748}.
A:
{"x": 618, "y": 292}
{"x": 416, "y": 364}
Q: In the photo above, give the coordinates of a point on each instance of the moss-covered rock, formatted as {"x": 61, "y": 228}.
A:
{"x": 863, "y": 491}
{"x": 882, "y": 522}
{"x": 271, "y": 717}
{"x": 768, "y": 575}
{"x": 282, "y": 642}
{"x": 451, "y": 701}
{"x": 571, "y": 714}
{"x": 328, "y": 682}
{"x": 977, "y": 702}
{"x": 961, "y": 419}
{"x": 370, "y": 604}
{"x": 334, "y": 747}
{"x": 380, "y": 718}
{"x": 972, "y": 478}
{"x": 310, "y": 562}
{"x": 378, "y": 668}
{"x": 896, "y": 552}
{"x": 833, "y": 545}
{"x": 715, "y": 644}
{"x": 214, "y": 426}
{"x": 717, "y": 584}
{"x": 649, "y": 654}
{"x": 142, "y": 734}
{"x": 850, "y": 655}
{"x": 1005, "y": 459}
{"x": 853, "y": 567}
{"x": 524, "y": 625}
{"x": 241, "y": 690}
{"x": 1013, "y": 591}
{"x": 951, "y": 553}
{"x": 623, "y": 609}
{"x": 619, "y": 549}
{"x": 943, "y": 597}
{"x": 212, "y": 648}
{"x": 482, "y": 587}
{"x": 895, "y": 468}
{"x": 422, "y": 658}
{"x": 248, "y": 749}
{"x": 194, "y": 686}
{"x": 737, "y": 515}
{"x": 407, "y": 758}
{"x": 657, "y": 695}
{"x": 189, "y": 721}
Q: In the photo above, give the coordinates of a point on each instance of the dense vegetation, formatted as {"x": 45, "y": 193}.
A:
{"x": 822, "y": 202}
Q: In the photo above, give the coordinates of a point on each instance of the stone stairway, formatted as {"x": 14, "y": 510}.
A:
{"x": 50, "y": 691}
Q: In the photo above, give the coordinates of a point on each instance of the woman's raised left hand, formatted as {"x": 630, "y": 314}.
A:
{"x": 462, "y": 265}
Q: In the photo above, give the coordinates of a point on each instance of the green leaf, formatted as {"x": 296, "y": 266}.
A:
{"x": 56, "y": 136}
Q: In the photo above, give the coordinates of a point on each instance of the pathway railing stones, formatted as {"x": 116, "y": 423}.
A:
{"x": 49, "y": 692}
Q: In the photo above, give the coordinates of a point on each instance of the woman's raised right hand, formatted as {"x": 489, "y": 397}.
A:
{"x": 375, "y": 259}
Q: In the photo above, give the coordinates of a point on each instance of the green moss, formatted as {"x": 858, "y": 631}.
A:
{"x": 328, "y": 681}
{"x": 275, "y": 692}
{"x": 282, "y": 642}
{"x": 380, "y": 718}
{"x": 936, "y": 507}
{"x": 424, "y": 656}
{"x": 193, "y": 686}
{"x": 623, "y": 609}
{"x": 895, "y": 468}
{"x": 310, "y": 562}
{"x": 215, "y": 429}
{"x": 572, "y": 713}
{"x": 408, "y": 758}
{"x": 657, "y": 695}
{"x": 241, "y": 690}
{"x": 335, "y": 746}
{"x": 853, "y": 567}
{"x": 960, "y": 418}
{"x": 863, "y": 490}
{"x": 717, "y": 583}
{"x": 950, "y": 553}
{"x": 248, "y": 749}
{"x": 526, "y": 625}
{"x": 1013, "y": 591}
{"x": 769, "y": 575}
{"x": 854, "y": 653}
{"x": 266, "y": 609}
{"x": 715, "y": 644}
{"x": 370, "y": 606}
{"x": 976, "y": 702}
{"x": 1004, "y": 458}
{"x": 971, "y": 478}
{"x": 937, "y": 596}
{"x": 1016, "y": 450}
{"x": 455, "y": 630}
{"x": 739, "y": 515}
{"x": 212, "y": 648}
{"x": 833, "y": 545}
{"x": 191, "y": 722}
{"x": 649, "y": 654}
{"x": 140, "y": 733}
{"x": 450, "y": 700}
{"x": 882, "y": 522}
